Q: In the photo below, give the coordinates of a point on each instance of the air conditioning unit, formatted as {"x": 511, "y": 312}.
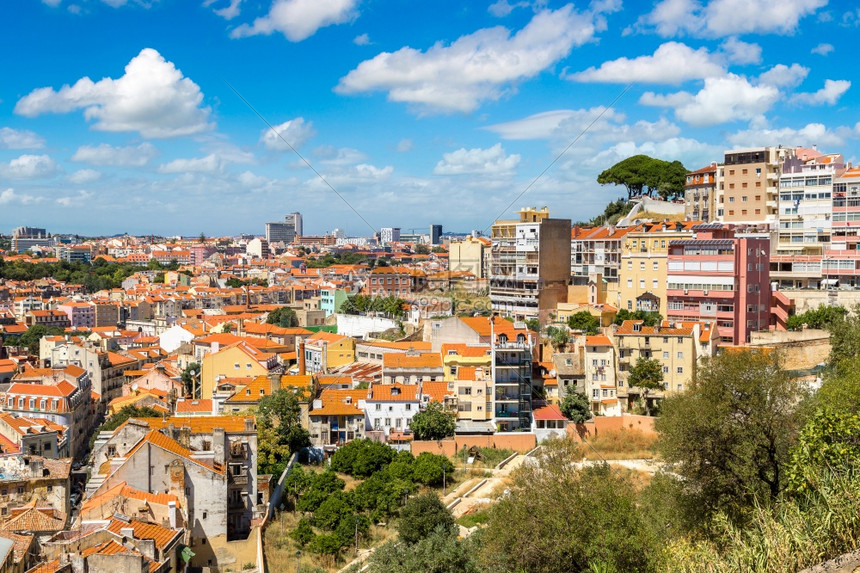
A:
{"x": 705, "y": 292}
{"x": 686, "y": 291}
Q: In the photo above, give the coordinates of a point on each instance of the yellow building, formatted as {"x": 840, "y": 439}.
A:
{"x": 235, "y": 360}
{"x": 468, "y": 369}
{"x": 676, "y": 346}
{"x": 469, "y": 255}
{"x": 642, "y": 277}
{"x": 324, "y": 352}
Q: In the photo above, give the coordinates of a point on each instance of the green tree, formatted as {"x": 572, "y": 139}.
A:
{"x": 33, "y": 336}
{"x": 829, "y": 442}
{"x": 430, "y": 469}
{"x": 439, "y": 552}
{"x": 421, "y": 516}
{"x": 558, "y": 337}
{"x": 303, "y": 533}
{"x": 647, "y": 318}
{"x": 422, "y": 249}
{"x": 576, "y": 407}
{"x": 646, "y": 374}
{"x": 845, "y": 340}
{"x": 362, "y": 458}
{"x": 585, "y": 322}
{"x": 731, "y": 431}
{"x": 433, "y": 423}
{"x": 322, "y": 486}
{"x": 189, "y": 379}
{"x": 118, "y": 419}
{"x": 284, "y": 317}
{"x": 280, "y": 431}
{"x": 641, "y": 174}
{"x": 607, "y": 533}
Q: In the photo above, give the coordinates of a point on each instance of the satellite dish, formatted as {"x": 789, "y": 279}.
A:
{"x": 552, "y": 373}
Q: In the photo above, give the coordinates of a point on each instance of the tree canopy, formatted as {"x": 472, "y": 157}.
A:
{"x": 644, "y": 175}
{"x": 584, "y": 321}
{"x": 576, "y": 407}
{"x": 647, "y": 318}
{"x": 646, "y": 374}
{"x": 421, "y": 516}
{"x": 284, "y": 317}
{"x": 360, "y": 304}
{"x": 279, "y": 431}
{"x": 433, "y": 423}
{"x": 731, "y": 430}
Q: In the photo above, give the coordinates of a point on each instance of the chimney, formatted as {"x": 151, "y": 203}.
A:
{"x": 300, "y": 355}
{"x": 147, "y": 547}
{"x": 36, "y": 466}
{"x": 185, "y": 437}
{"x": 171, "y": 513}
{"x": 249, "y": 425}
{"x": 218, "y": 440}
{"x": 78, "y": 563}
{"x": 127, "y": 532}
{"x": 274, "y": 379}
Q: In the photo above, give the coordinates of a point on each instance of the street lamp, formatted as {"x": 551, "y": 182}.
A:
{"x": 193, "y": 383}
{"x": 356, "y": 536}
{"x": 298, "y": 555}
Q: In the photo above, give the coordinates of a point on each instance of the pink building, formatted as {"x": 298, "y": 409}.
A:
{"x": 81, "y": 314}
{"x": 721, "y": 276}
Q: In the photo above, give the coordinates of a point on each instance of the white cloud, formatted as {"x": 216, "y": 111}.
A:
{"x": 739, "y": 52}
{"x": 721, "y": 100}
{"x": 822, "y": 49}
{"x": 361, "y": 40}
{"x": 502, "y": 8}
{"x": 84, "y": 176}
{"x": 538, "y": 126}
{"x": 829, "y": 94}
{"x": 782, "y": 76}
{"x": 152, "y": 98}
{"x": 477, "y": 161}
{"x": 295, "y": 131}
{"x": 227, "y": 12}
{"x": 333, "y": 156}
{"x": 104, "y": 154}
{"x": 480, "y": 66}
{"x": 404, "y": 145}
{"x": 9, "y": 196}
{"x": 209, "y": 164}
{"x": 810, "y": 134}
{"x": 19, "y": 139}
{"x": 82, "y": 197}
{"x": 299, "y": 19}
{"x": 719, "y": 18}
{"x": 29, "y": 167}
{"x": 672, "y": 63}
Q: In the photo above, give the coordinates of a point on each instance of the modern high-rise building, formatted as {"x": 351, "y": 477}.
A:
{"x": 529, "y": 264}
{"x": 285, "y": 232}
{"x": 749, "y": 189}
{"x": 435, "y": 234}
{"x": 24, "y": 238}
{"x": 389, "y": 235}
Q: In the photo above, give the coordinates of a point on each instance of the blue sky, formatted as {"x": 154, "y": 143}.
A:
{"x": 119, "y": 116}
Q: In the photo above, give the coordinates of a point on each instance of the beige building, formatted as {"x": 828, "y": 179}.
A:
{"x": 469, "y": 255}
{"x": 530, "y": 264}
{"x": 748, "y": 191}
{"x": 700, "y": 192}
{"x": 642, "y": 284}
{"x": 468, "y": 369}
{"x": 599, "y": 381}
{"x": 677, "y": 346}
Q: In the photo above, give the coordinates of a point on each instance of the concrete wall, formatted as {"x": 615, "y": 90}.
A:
{"x": 361, "y": 326}
{"x": 517, "y": 441}
{"x": 801, "y": 350}
{"x": 811, "y": 299}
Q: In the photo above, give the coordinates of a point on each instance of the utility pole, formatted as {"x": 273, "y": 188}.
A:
{"x": 356, "y": 536}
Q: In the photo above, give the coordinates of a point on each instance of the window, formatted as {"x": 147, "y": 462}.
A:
{"x": 387, "y": 421}
{"x": 744, "y": 198}
{"x": 408, "y": 407}
{"x": 680, "y": 339}
{"x": 655, "y": 283}
{"x": 595, "y": 393}
{"x": 680, "y": 355}
{"x": 641, "y": 283}
{"x": 665, "y": 370}
{"x": 629, "y": 265}
{"x": 666, "y": 354}
{"x": 629, "y": 283}
{"x": 680, "y": 370}
{"x": 656, "y": 266}
{"x": 642, "y": 266}
{"x": 378, "y": 407}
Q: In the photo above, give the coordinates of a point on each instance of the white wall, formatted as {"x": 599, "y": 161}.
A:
{"x": 361, "y": 326}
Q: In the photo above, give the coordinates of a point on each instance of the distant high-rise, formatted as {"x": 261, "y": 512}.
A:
{"x": 435, "y": 234}
{"x": 285, "y": 232}
{"x": 24, "y": 238}
{"x": 389, "y": 235}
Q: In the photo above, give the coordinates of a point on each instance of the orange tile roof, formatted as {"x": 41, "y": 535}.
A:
{"x": 339, "y": 402}
{"x": 597, "y": 340}
{"x": 168, "y": 444}
{"x": 124, "y": 490}
{"x": 680, "y": 329}
{"x": 408, "y": 345}
{"x": 467, "y": 350}
{"x": 420, "y": 360}
{"x": 481, "y": 325}
{"x": 142, "y": 530}
{"x": 33, "y": 519}
{"x": 548, "y": 412}
{"x": 436, "y": 390}
{"x": 198, "y": 405}
{"x": 394, "y": 393}
{"x": 200, "y": 424}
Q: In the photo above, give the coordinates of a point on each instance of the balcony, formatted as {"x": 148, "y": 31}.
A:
{"x": 241, "y": 479}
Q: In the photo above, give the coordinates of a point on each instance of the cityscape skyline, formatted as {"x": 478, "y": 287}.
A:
{"x": 148, "y": 122}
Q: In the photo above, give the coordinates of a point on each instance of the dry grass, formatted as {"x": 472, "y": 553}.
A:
{"x": 621, "y": 444}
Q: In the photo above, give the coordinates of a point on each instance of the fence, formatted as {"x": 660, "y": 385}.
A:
{"x": 516, "y": 441}
{"x": 595, "y": 426}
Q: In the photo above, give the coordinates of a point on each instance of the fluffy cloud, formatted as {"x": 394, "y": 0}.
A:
{"x": 298, "y": 20}
{"x": 80, "y": 198}
{"x": 295, "y": 131}
{"x": 404, "y": 145}
{"x": 9, "y": 196}
{"x": 29, "y": 167}
{"x": 152, "y": 98}
{"x": 566, "y": 124}
{"x": 361, "y": 40}
{"x": 84, "y": 176}
{"x": 502, "y": 8}
{"x": 721, "y": 100}
{"x": 19, "y": 139}
{"x": 672, "y": 63}
{"x": 227, "y": 12}
{"x": 782, "y": 76}
{"x": 492, "y": 161}
{"x": 822, "y": 49}
{"x": 476, "y": 67}
{"x": 104, "y": 154}
{"x": 719, "y": 18}
{"x": 209, "y": 164}
{"x": 738, "y": 52}
{"x": 829, "y": 94}
{"x": 812, "y": 133}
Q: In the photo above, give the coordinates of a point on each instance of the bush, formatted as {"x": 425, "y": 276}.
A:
{"x": 433, "y": 423}
{"x": 430, "y": 469}
{"x": 303, "y": 534}
{"x": 362, "y": 458}
{"x": 421, "y": 516}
